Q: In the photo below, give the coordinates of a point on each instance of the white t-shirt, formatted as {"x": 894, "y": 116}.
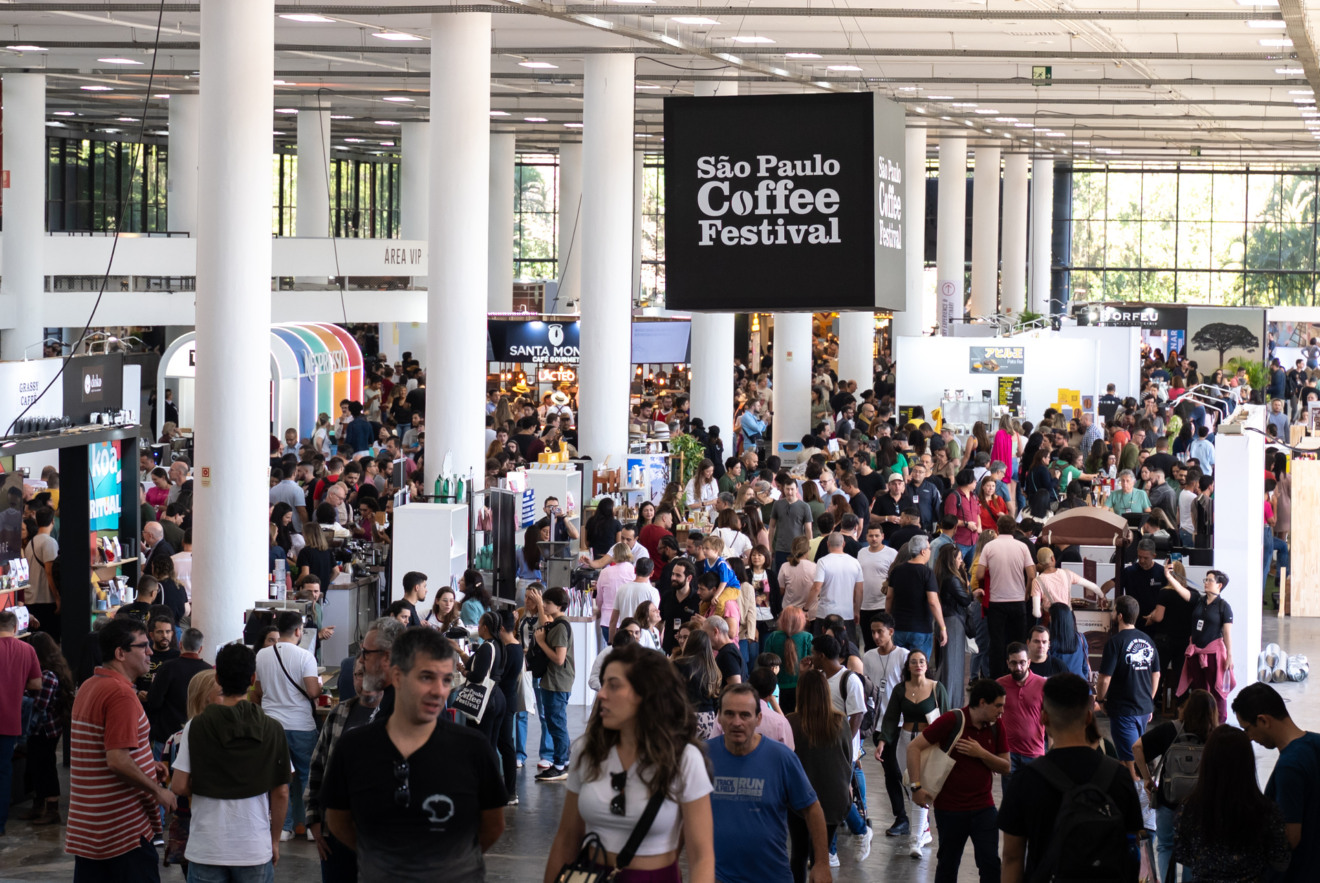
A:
{"x": 736, "y": 544}
{"x": 838, "y": 574}
{"x": 1186, "y": 503}
{"x": 280, "y": 698}
{"x": 232, "y": 833}
{"x": 631, "y": 595}
{"x": 885, "y": 671}
{"x": 183, "y": 571}
{"x": 856, "y": 703}
{"x": 875, "y": 570}
{"x": 594, "y": 801}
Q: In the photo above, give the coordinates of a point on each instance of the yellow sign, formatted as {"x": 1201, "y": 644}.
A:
{"x": 1071, "y": 398}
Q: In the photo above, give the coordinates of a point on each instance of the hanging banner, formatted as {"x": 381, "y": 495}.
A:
{"x": 996, "y": 359}
{"x": 950, "y": 304}
{"x": 105, "y": 477}
{"x": 784, "y": 203}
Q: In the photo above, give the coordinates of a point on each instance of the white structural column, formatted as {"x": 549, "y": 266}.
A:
{"x": 1042, "y": 229}
{"x": 181, "y": 182}
{"x": 232, "y": 411}
{"x": 606, "y": 237}
{"x": 639, "y": 161}
{"x": 857, "y": 348}
{"x": 950, "y": 234}
{"x": 313, "y": 219}
{"x": 458, "y": 242}
{"x": 414, "y": 181}
{"x": 570, "y": 225}
{"x": 712, "y": 338}
{"x": 792, "y": 379}
{"x": 1240, "y": 537}
{"x": 25, "y": 212}
{"x": 985, "y": 232}
{"x": 911, "y": 322}
{"x": 499, "y": 272}
{"x": 1013, "y": 273}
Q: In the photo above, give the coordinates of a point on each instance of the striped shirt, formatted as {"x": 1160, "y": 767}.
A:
{"x": 107, "y": 816}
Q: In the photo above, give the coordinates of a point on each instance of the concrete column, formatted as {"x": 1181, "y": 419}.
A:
{"x": 792, "y": 378}
{"x": 1013, "y": 274}
{"x": 911, "y": 322}
{"x": 414, "y": 180}
{"x": 1042, "y": 223}
{"x": 182, "y": 181}
{"x": 1240, "y": 537}
{"x": 985, "y": 232}
{"x": 232, "y": 412}
{"x": 606, "y": 228}
{"x": 712, "y": 337}
{"x": 639, "y": 160}
{"x": 570, "y": 226}
{"x": 951, "y": 236}
{"x": 857, "y": 348}
{"x": 22, "y": 275}
{"x": 313, "y": 218}
{"x": 458, "y": 244}
{"x": 499, "y": 272}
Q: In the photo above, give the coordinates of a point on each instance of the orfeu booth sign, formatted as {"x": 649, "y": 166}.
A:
{"x": 784, "y": 202}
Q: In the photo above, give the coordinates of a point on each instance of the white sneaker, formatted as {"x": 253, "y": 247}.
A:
{"x": 310, "y": 836}
{"x": 543, "y": 764}
{"x": 864, "y": 845}
{"x": 926, "y": 838}
{"x": 915, "y": 849}
{"x": 286, "y": 836}
{"x": 834, "y": 859}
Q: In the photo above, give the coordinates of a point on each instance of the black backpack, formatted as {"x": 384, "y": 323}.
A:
{"x": 871, "y": 693}
{"x": 537, "y": 662}
{"x": 1090, "y": 841}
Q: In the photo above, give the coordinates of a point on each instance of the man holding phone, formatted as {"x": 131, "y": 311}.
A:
{"x": 564, "y": 529}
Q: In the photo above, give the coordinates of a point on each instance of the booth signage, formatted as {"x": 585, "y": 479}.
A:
{"x": 1134, "y": 316}
{"x": 1010, "y": 392}
{"x": 996, "y": 359}
{"x": 784, "y": 202}
{"x": 103, "y": 469}
{"x": 410, "y": 257}
{"x": 534, "y": 341}
{"x": 326, "y": 363}
{"x": 562, "y": 374}
{"x": 93, "y": 384}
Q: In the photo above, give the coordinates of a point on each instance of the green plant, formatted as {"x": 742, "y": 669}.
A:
{"x": 1257, "y": 375}
{"x": 692, "y": 451}
{"x": 1028, "y": 316}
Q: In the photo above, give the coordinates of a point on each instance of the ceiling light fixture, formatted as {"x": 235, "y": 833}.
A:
{"x": 646, "y": 86}
{"x": 752, "y": 39}
{"x": 843, "y": 67}
{"x": 965, "y": 104}
{"x": 286, "y": 110}
{"x": 641, "y": 135}
{"x": 693, "y": 20}
{"x": 802, "y": 55}
{"x": 572, "y": 125}
{"x": 985, "y": 110}
{"x": 386, "y": 123}
{"x": 125, "y": 119}
{"x": 397, "y": 36}
{"x": 940, "y": 97}
{"x": 354, "y": 141}
{"x": 64, "y": 113}
{"x": 539, "y": 65}
{"x": 96, "y": 88}
{"x": 499, "y": 113}
{"x": 1289, "y": 71}
{"x": 117, "y": 60}
{"x": 309, "y": 18}
{"x": 397, "y": 98}
{"x": 1006, "y": 119}
{"x": 535, "y": 120}
{"x": 340, "y": 116}
{"x": 1280, "y": 42}
{"x": 162, "y": 97}
{"x": 1268, "y": 23}
{"x": 26, "y": 48}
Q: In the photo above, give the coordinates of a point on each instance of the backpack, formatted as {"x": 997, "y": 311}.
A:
{"x": 1180, "y": 767}
{"x": 871, "y": 694}
{"x": 1090, "y": 837}
{"x": 537, "y": 662}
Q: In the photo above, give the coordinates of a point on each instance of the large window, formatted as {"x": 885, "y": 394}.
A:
{"x": 1239, "y": 237}
{"x": 536, "y": 217}
{"x": 89, "y": 180}
{"x": 653, "y": 229}
{"x": 364, "y": 196}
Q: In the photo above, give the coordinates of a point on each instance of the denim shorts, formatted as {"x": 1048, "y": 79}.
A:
{"x": 1125, "y": 731}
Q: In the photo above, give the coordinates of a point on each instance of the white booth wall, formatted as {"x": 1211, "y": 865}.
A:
{"x": 1118, "y": 349}
{"x": 927, "y": 366}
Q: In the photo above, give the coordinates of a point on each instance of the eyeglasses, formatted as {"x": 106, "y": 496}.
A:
{"x": 402, "y": 796}
{"x": 141, "y": 646}
{"x": 619, "y": 806}
{"x": 364, "y": 652}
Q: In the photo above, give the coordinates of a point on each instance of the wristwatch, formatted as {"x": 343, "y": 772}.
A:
{"x": 914, "y": 787}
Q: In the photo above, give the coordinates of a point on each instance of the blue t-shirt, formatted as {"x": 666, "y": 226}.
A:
{"x": 1295, "y": 787}
{"x": 752, "y": 799}
{"x": 722, "y": 568}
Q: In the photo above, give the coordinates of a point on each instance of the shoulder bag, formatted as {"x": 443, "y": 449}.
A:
{"x": 474, "y": 697}
{"x": 275, "y": 648}
{"x": 937, "y": 760}
{"x": 591, "y": 865}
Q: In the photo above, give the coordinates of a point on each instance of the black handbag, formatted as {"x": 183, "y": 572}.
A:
{"x": 591, "y": 865}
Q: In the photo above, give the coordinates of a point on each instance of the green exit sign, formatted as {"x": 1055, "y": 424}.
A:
{"x": 1042, "y": 74}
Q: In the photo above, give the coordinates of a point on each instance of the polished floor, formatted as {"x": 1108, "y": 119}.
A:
{"x": 34, "y": 854}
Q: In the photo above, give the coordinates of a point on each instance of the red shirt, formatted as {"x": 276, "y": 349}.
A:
{"x": 968, "y": 787}
{"x": 107, "y": 816}
{"x": 650, "y": 538}
{"x": 18, "y": 665}
{"x": 1021, "y": 720}
{"x": 967, "y": 509}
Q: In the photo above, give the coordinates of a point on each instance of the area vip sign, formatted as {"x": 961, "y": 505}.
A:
{"x": 784, "y": 202}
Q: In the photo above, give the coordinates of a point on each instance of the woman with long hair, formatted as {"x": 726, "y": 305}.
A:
{"x": 316, "y": 556}
{"x": 671, "y": 497}
{"x": 951, "y": 577}
{"x": 1039, "y": 483}
{"x": 641, "y": 742}
{"x": 907, "y": 714}
{"x": 992, "y": 505}
{"x": 728, "y": 527}
{"x": 476, "y": 597}
{"x": 1229, "y": 830}
{"x": 702, "y": 679}
{"x": 321, "y": 435}
{"x": 618, "y": 571}
{"x": 1051, "y": 599}
{"x": 525, "y": 628}
{"x": 983, "y": 443}
{"x": 703, "y": 489}
{"x": 503, "y": 414}
{"x": 823, "y": 742}
{"x": 528, "y": 557}
{"x": 49, "y": 722}
{"x": 754, "y": 527}
{"x": 796, "y": 577}
{"x": 1095, "y": 461}
{"x": 602, "y": 530}
{"x": 487, "y": 661}
{"x": 203, "y": 690}
{"x": 811, "y": 496}
{"x": 1002, "y": 447}
{"x": 645, "y": 515}
{"x": 282, "y": 517}
{"x": 981, "y": 590}
{"x": 444, "y": 614}
{"x": 1197, "y": 717}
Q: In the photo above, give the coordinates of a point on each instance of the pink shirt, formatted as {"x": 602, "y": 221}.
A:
{"x": 1057, "y": 586}
{"x": 18, "y": 665}
{"x": 607, "y": 587}
{"x": 796, "y": 583}
{"x": 969, "y": 510}
{"x": 1007, "y": 560}
{"x": 1021, "y": 720}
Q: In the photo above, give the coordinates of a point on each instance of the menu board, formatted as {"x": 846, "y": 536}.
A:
{"x": 1010, "y": 391}
{"x": 997, "y": 359}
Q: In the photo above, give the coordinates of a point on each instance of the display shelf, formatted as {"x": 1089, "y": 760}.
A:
{"x": 420, "y": 530}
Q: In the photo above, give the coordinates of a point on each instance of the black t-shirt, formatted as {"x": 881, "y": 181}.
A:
{"x": 872, "y": 484}
{"x": 904, "y": 533}
{"x": 1177, "y": 621}
{"x": 175, "y": 598}
{"x": 1049, "y": 668}
{"x": 693, "y": 681}
{"x": 318, "y": 561}
{"x": 1162, "y": 462}
{"x": 860, "y": 507}
{"x": 1144, "y": 585}
{"x": 560, "y": 531}
{"x": 850, "y": 547}
{"x": 912, "y": 585}
{"x": 886, "y": 506}
{"x": 675, "y": 612}
{"x": 412, "y": 608}
{"x": 1031, "y": 804}
{"x": 1131, "y": 661}
{"x": 158, "y": 658}
{"x": 730, "y": 662}
{"x": 602, "y": 534}
{"x": 1154, "y": 743}
{"x": 451, "y": 780}
{"x": 1208, "y": 620}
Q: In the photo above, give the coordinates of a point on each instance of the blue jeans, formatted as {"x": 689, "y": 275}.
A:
{"x": 955, "y": 828}
{"x": 301, "y": 745}
{"x": 556, "y": 718}
{"x": 547, "y": 748}
{"x": 199, "y": 873}
{"x": 750, "y": 650}
{"x": 923, "y": 641}
{"x": 1269, "y": 554}
{"x": 853, "y": 820}
{"x": 520, "y": 736}
{"x": 7, "y": 744}
{"x": 1166, "y": 821}
{"x": 1126, "y": 730}
{"x": 966, "y": 553}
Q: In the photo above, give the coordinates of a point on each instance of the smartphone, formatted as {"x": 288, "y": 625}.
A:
{"x": 1175, "y": 556}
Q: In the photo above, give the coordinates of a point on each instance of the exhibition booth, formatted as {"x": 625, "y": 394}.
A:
{"x": 1211, "y": 336}
{"x": 313, "y": 367}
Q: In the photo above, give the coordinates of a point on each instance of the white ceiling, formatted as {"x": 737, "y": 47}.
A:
{"x": 1131, "y": 81}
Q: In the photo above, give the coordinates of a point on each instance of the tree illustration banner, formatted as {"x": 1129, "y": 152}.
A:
{"x": 1217, "y": 335}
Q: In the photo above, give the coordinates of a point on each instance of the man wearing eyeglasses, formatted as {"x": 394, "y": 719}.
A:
{"x": 415, "y": 778}
{"x": 114, "y": 784}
